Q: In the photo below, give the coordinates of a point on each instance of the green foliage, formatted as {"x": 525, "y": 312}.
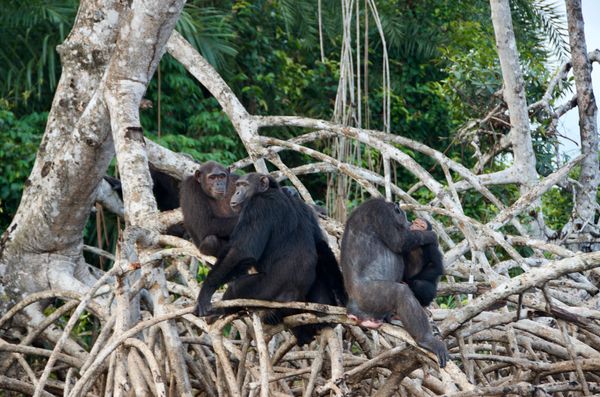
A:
{"x": 29, "y": 64}
{"x": 19, "y": 141}
{"x": 211, "y": 147}
{"x": 207, "y": 29}
{"x": 544, "y": 21}
{"x": 444, "y": 71}
{"x": 557, "y": 205}
{"x": 274, "y": 72}
{"x": 85, "y": 331}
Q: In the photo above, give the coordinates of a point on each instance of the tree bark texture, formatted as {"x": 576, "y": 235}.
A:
{"x": 585, "y": 202}
{"x": 43, "y": 244}
{"x": 514, "y": 93}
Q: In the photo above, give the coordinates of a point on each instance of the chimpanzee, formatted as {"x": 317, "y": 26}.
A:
{"x": 166, "y": 192}
{"x": 376, "y": 237}
{"x": 272, "y": 237}
{"x": 165, "y": 189}
{"x": 423, "y": 267}
{"x": 164, "y": 186}
{"x": 207, "y": 215}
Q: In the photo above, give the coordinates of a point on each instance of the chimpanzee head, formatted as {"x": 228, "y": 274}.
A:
{"x": 213, "y": 178}
{"x": 400, "y": 216}
{"x": 420, "y": 224}
{"x": 249, "y": 185}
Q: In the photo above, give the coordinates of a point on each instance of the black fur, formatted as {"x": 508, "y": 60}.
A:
{"x": 328, "y": 287}
{"x": 424, "y": 265}
{"x": 166, "y": 192}
{"x": 376, "y": 237}
{"x": 280, "y": 236}
{"x": 271, "y": 236}
{"x": 329, "y": 284}
{"x": 165, "y": 189}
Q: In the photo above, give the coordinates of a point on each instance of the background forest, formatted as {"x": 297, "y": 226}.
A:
{"x": 444, "y": 72}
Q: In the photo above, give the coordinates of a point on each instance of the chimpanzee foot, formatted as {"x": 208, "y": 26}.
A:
{"x": 372, "y": 324}
{"x": 437, "y": 347}
{"x": 211, "y": 318}
{"x": 368, "y": 323}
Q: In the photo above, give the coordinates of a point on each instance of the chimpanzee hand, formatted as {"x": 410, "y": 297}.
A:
{"x": 203, "y": 306}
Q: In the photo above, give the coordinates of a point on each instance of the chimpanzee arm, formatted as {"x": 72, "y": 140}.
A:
{"x": 424, "y": 284}
{"x": 418, "y": 238}
{"x": 401, "y": 240}
{"x": 248, "y": 242}
{"x": 433, "y": 263}
{"x": 221, "y": 227}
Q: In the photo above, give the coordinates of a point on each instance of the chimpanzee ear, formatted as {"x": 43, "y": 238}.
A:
{"x": 263, "y": 184}
{"x": 197, "y": 175}
{"x": 228, "y": 170}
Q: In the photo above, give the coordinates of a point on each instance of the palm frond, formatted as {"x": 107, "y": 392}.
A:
{"x": 549, "y": 18}
{"x": 209, "y": 31}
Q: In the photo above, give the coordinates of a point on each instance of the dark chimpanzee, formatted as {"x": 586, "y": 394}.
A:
{"x": 376, "y": 237}
{"x": 423, "y": 267}
{"x": 271, "y": 236}
{"x": 279, "y": 236}
{"x": 164, "y": 186}
{"x": 165, "y": 189}
{"x": 207, "y": 215}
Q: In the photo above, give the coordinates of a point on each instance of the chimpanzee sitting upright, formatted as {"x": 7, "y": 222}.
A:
{"x": 207, "y": 215}
{"x": 272, "y": 237}
{"x": 376, "y": 237}
{"x": 423, "y": 267}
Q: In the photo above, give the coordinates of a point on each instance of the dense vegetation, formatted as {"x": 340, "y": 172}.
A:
{"x": 444, "y": 72}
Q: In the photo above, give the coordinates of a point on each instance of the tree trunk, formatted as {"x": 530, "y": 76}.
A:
{"x": 514, "y": 93}
{"x": 43, "y": 245}
{"x": 585, "y": 203}
{"x": 523, "y": 169}
{"x": 102, "y": 61}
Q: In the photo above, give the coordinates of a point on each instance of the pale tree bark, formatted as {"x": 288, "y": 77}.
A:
{"x": 43, "y": 245}
{"x": 523, "y": 169}
{"x": 585, "y": 203}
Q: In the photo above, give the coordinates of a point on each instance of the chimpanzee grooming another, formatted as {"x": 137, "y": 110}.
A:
{"x": 207, "y": 215}
{"x": 279, "y": 236}
{"x": 376, "y": 237}
{"x": 271, "y": 236}
{"x": 423, "y": 267}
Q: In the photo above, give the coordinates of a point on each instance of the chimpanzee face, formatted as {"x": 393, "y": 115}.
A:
{"x": 420, "y": 224}
{"x": 213, "y": 181}
{"x": 246, "y": 187}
